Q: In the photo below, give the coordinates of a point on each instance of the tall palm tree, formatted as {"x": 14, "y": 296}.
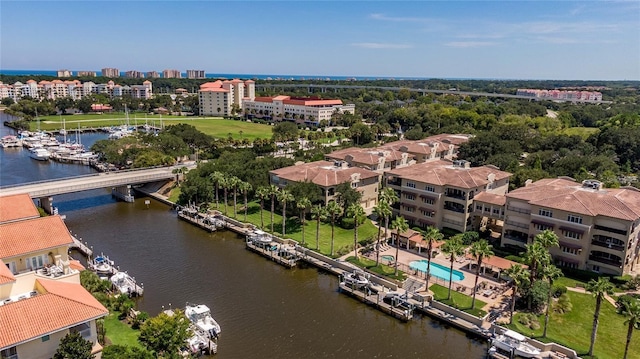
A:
{"x": 536, "y": 256}
{"x": 233, "y": 185}
{"x": 320, "y": 213}
{"x": 382, "y": 210}
{"x": 598, "y": 288}
{"x": 333, "y": 210}
{"x": 216, "y": 177}
{"x": 479, "y": 250}
{"x": 273, "y": 191}
{"x": 389, "y": 196}
{"x": 547, "y": 239}
{"x": 552, "y": 273}
{"x": 224, "y": 184}
{"x": 302, "y": 204}
{"x": 519, "y": 276}
{"x": 355, "y": 211}
{"x": 284, "y": 196}
{"x": 431, "y": 235}
{"x": 631, "y": 312}
{"x": 262, "y": 193}
{"x": 454, "y": 248}
{"x": 245, "y": 187}
{"x": 400, "y": 225}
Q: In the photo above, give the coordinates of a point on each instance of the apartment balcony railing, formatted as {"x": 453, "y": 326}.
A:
{"x": 517, "y": 224}
{"x": 518, "y": 210}
{"x": 604, "y": 244}
{"x": 451, "y": 221}
{"x": 520, "y": 239}
{"x": 394, "y": 182}
{"x": 611, "y": 262}
{"x": 456, "y": 195}
{"x": 454, "y": 209}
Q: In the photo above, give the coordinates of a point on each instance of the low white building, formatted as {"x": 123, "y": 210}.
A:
{"x": 307, "y": 109}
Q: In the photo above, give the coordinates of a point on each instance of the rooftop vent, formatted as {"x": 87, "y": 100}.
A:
{"x": 461, "y": 163}
{"x": 592, "y": 184}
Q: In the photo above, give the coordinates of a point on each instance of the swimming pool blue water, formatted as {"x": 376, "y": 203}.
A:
{"x": 388, "y": 257}
{"x": 437, "y": 270}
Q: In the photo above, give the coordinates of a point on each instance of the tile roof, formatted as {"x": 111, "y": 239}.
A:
{"x": 369, "y": 156}
{"x": 490, "y": 198}
{"x": 5, "y": 274}
{"x": 32, "y": 235}
{"x": 497, "y": 262}
{"x": 443, "y": 173}
{"x": 323, "y": 173}
{"x": 61, "y": 305}
{"x": 17, "y": 206}
{"x": 571, "y": 196}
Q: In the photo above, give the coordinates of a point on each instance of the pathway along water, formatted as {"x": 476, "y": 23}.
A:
{"x": 266, "y": 311}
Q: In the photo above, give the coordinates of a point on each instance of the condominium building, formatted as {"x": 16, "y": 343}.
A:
{"x": 195, "y": 74}
{"x": 133, "y": 74}
{"x": 304, "y": 109}
{"x": 172, "y": 74}
{"x": 110, "y": 72}
{"x": 327, "y": 176}
{"x": 569, "y": 95}
{"x": 219, "y": 97}
{"x": 64, "y": 73}
{"x": 598, "y": 228}
{"x": 41, "y": 299}
{"x": 87, "y": 74}
{"x": 440, "y": 193}
{"x": 153, "y": 74}
{"x": 73, "y": 89}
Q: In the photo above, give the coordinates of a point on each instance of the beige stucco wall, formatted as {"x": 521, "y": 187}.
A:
{"x": 37, "y": 349}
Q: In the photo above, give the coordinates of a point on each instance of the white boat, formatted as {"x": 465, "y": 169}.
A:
{"x": 199, "y": 343}
{"x": 357, "y": 279}
{"x": 200, "y": 316}
{"x": 40, "y": 154}
{"x": 260, "y": 237}
{"x": 515, "y": 343}
{"x": 125, "y": 284}
{"x": 102, "y": 265}
{"x": 10, "y": 141}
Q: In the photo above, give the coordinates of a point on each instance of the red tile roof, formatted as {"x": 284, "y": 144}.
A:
{"x": 61, "y": 305}
{"x": 5, "y": 274}
{"x": 33, "y": 235}
{"x": 490, "y": 198}
{"x": 443, "y": 173}
{"x": 323, "y": 173}
{"x": 17, "y": 206}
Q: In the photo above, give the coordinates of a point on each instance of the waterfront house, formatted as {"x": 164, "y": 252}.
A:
{"x": 17, "y": 207}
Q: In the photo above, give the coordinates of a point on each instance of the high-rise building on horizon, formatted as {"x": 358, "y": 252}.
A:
{"x": 195, "y": 74}
{"x": 110, "y": 72}
{"x": 133, "y": 74}
{"x": 153, "y": 74}
{"x": 65, "y": 73}
{"x": 171, "y": 74}
{"x": 87, "y": 74}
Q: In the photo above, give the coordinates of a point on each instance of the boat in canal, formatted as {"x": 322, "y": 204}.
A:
{"x": 356, "y": 279}
{"x": 259, "y": 237}
{"x": 40, "y": 154}
{"x": 102, "y": 265}
{"x": 125, "y": 284}
{"x": 10, "y": 141}
{"x": 516, "y": 343}
{"x": 200, "y": 316}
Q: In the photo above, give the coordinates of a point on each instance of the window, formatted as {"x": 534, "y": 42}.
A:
{"x": 409, "y": 209}
{"x": 427, "y": 200}
{"x": 411, "y": 184}
{"x": 429, "y": 189}
{"x": 10, "y": 353}
{"x": 37, "y": 261}
{"x": 572, "y": 235}
{"x": 545, "y": 212}
{"x": 427, "y": 213}
{"x": 541, "y": 227}
{"x": 574, "y": 219}
{"x": 479, "y": 207}
{"x": 45, "y": 338}
{"x": 568, "y": 250}
{"x": 410, "y": 196}
{"x": 354, "y": 184}
{"x": 84, "y": 329}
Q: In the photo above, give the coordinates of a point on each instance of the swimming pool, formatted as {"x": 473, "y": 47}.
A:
{"x": 388, "y": 257}
{"x": 437, "y": 270}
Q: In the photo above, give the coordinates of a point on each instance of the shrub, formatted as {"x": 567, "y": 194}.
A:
{"x": 557, "y": 290}
{"x": 515, "y": 258}
{"x": 529, "y": 320}
{"x": 626, "y": 299}
{"x": 563, "y": 305}
{"x": 632, "y": 284}
{"x": 139, "y": 319}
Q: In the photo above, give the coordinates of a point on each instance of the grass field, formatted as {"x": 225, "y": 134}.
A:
{"x": 583, "y": 132}
{"x": 213, "y": 126}
{"x": 120, "y": 333}
{"x": 458, "y": 300}
{"x": 573, "y": 329}
{"x": 343, "y": 237}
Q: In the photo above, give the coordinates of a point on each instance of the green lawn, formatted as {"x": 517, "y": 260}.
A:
{"x": 573, "y": 329}
{"x": 583, "y": 132}
{"x": 569, "y": 282}
{"x": 381, "y": 269}
{"x": 343, "y": 237}
{"x": 458, "y": 300}
{"x": 120, "y": 333}
{"x": 174, "y": 194}
{"x": 213, "y": 126}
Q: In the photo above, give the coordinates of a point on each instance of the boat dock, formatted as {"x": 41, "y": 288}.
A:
{"x": 210, "y": 223}
{"x": 280, "y": 253}
{"x": 456, "y": 318}
{"x": 375, "y": 300}
{"x": 81, "y": 247}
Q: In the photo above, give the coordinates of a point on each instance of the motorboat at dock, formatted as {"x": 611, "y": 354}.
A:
{"x": 39, "y": 154}
{"x": 356, "y": 279}
{"x": 125, "y": 284}
{"x": 102, "y": 265}
{"x": 260, "y": 238}
{"x": 10, "y": 141}
{"x": 200, "y": 316}
{"x": 515, "y": 343}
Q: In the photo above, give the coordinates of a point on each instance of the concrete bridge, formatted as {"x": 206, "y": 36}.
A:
{"x": 120, "y": 182}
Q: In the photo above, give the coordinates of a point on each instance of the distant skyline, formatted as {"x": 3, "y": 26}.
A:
{"x": 564, "y": 40}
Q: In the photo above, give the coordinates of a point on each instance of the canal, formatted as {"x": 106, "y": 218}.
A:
{"x": 265, "y": 311}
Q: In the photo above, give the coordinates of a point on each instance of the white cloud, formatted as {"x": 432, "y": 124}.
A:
{"x": 381, "y": 45}
{"x": 465, "y": 44}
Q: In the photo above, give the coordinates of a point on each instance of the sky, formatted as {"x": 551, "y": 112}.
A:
{"x": 563, "y": 40}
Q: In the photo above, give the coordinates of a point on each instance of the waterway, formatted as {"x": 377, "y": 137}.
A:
{"x": 266, "y": 311}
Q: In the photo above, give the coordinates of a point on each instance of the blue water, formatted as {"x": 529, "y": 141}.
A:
{"x": 228, "y": 76}
{"x": 437, "y": 270}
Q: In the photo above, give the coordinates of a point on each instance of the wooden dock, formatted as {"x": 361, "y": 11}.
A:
{"x": 375, "y": 300}
{"x": 206, "y": 222}
{"x": 289, "y": 259}
{"x": 455, "y": 321}
{"x": 81, "y": 247}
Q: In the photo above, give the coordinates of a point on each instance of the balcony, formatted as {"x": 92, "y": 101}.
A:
{"x": 456, "y": 195}
{"x": 515, "y": 238}
{"x": 518, "y": 210}
{"x": 454, "y": 209}
{"x": 394, "y": 182}
{"x": 517, "y": 224}
{"x": 608, "y": 261}
{"x": 606, "y": 244}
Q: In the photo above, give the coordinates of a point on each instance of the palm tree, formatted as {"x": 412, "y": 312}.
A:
{"x": 262, "y": 193}
{"x": 302, "y": 204}
{"x": 389, "y": 196}
{"x": 333, "y": 210}
{"x": 479, "y": 250}
{"x": 518, "y": 276}
{"x": 382, "y": 210}
{"x": 178, "y": 172}
{"x": 552, "y": 273}
{"x": 355, "y": 211}
{"x": 454, "y": 249}
{"x": 598, "y": 288}
{"x": 547, "y": 239}
{"x": 273, "y": 191}
{"x": 631, "y": 311}
{"x": 224, "y": 182}
{"x": 233, "y": 185}
{"x": 284, "y": 196}
{"x": 319, "y": 213}
{"x": 216, "y": 177}
{"x": 536, "y": 256}
{"x": 245, "y": 187}
{"x": 400, "y": 225}
{"x": 431, "y": 235}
